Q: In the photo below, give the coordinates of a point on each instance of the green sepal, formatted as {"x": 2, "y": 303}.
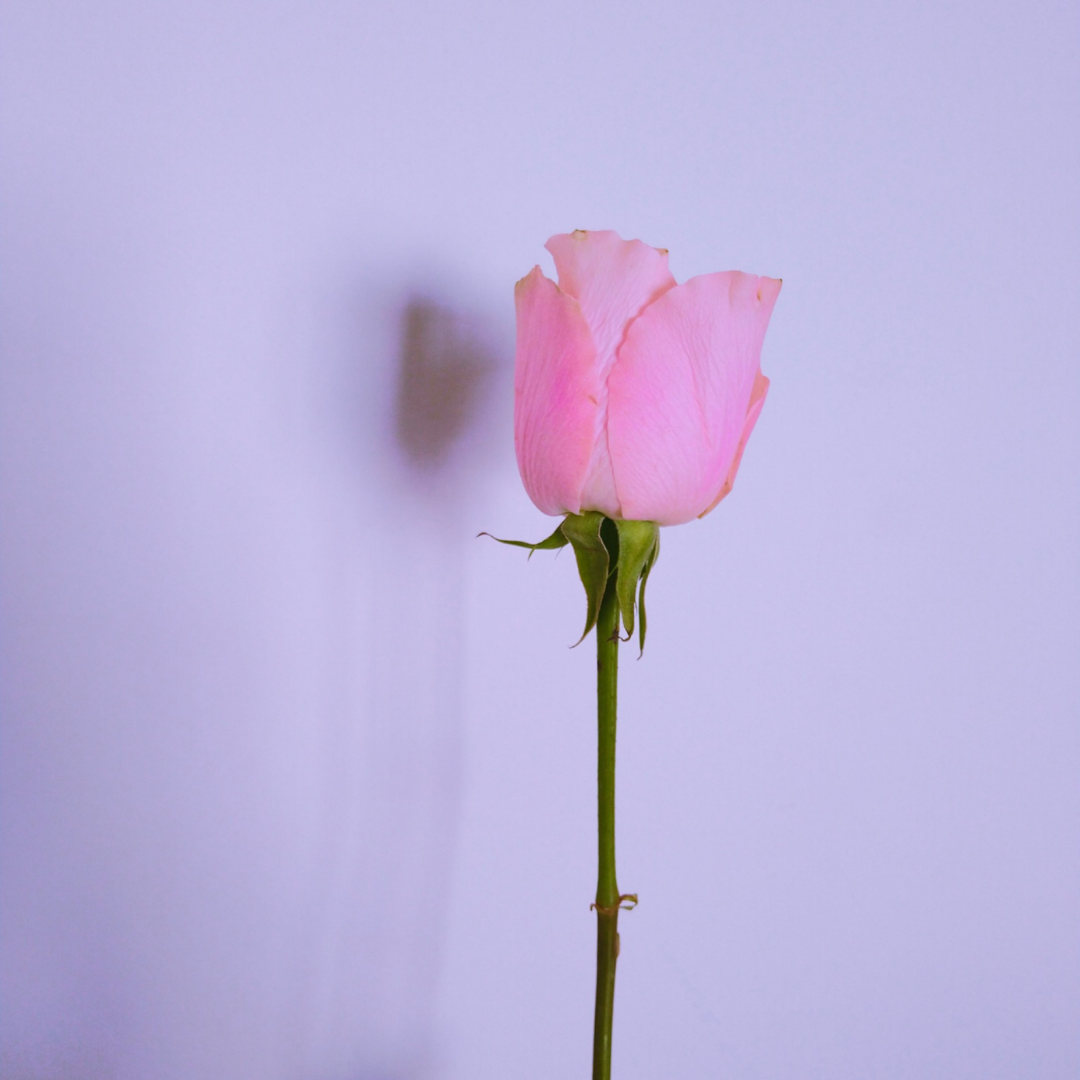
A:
{"x": 603, "y": 547}
{"x": 650, "y": 563}
{"x": 639, "y": 543}
{"x": 556, "y": 540}
{"x": 593, "y": 560}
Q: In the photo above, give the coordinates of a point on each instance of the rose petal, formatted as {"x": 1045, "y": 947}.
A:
{"x": 679, "y": 395}
{"x": 753, "y": 411}
{"x": 614, "y": 280}
{"x": 556, "y": 391}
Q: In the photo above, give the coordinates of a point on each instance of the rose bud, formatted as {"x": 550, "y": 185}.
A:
{"x": 634, "y": 396}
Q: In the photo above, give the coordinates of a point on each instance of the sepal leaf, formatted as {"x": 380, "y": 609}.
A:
{"x": 639, "y": 546}
{"x": 593, "y": 560}
{"x": 641, "y": 595}
{"x": 604, "y": 548}
{"x": 556, "y": 540}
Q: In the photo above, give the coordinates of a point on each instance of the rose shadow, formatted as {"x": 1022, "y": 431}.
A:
{"x": 395, "y": 727}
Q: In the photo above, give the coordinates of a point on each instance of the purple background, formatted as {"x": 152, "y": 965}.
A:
{"x": 297, "y": 776}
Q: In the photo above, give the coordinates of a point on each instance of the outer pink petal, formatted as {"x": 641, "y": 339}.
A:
{"x": 614, "y": 280}
{"x": 556, "y": 390}
{"x": 753, "y": 411}
{"x": 680, "y": 395}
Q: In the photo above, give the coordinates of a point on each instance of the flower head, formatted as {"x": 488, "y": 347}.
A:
{"x": 635, "y": 396}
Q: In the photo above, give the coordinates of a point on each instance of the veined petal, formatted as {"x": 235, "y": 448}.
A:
{"x": 753, "y": 411}
{"x": 680, "y": 395}
{"x": 614, "y": 280}
{"x": 556, "y": 394}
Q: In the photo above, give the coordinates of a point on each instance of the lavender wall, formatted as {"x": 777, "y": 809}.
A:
{"x": 297, "y": 775}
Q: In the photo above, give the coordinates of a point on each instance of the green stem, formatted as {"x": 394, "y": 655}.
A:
{"x": 607, "y": 888}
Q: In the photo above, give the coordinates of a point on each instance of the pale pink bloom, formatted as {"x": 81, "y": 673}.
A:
{"x": 633, "y": 395}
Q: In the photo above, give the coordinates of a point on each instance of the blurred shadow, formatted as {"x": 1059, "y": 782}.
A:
{"x": 443, "y": 369}
{"x": 394, "y": 747}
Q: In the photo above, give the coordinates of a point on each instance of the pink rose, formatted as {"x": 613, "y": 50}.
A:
{"x": 633, "y": 395}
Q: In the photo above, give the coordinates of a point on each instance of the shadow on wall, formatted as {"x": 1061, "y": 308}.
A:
{"x": 445, "y": 369}
{"x": 395, "y": 728}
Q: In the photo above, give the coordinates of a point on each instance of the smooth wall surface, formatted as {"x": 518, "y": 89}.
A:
{"x": 297, "y": 775}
